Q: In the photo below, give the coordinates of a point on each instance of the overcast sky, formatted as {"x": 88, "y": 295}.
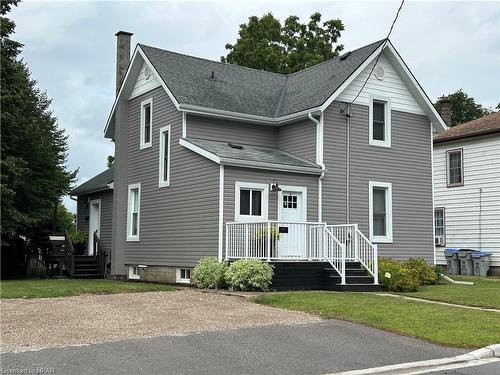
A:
{"x": 70, "y": 49}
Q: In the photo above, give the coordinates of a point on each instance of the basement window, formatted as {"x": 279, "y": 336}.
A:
{"x": 133, "y": 273}
{"x": 146, "y": 123}
{"x": 184, "y": 275}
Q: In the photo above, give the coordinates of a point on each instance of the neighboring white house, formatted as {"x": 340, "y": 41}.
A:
{"x": 467, "y": 188}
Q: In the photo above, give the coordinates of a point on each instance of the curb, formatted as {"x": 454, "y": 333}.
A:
{"x": 488, "y": 352}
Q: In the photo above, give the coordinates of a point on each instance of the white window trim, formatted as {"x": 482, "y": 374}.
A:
{"x": 162, "y": 181}
{"x": 387, "y": 141}
{"x": 448, "y": 153}
{"x": 265, "y": 201}
{"x": 293, "y": 189}
{"x": 132, "y": 275}
{"x": 178, "y": 278}
{"x": 443, "y": 242}
{"x": 129, "y": 206}
{"x": 388, "y": 208}
{"x": 143, "y": 144}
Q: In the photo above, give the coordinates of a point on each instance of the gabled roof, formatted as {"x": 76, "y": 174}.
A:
{"x": 98, "y": 183}
{"x": 259, "y": 96}
{"x": 241, "y": 155}
{"x": 485, "y": 125}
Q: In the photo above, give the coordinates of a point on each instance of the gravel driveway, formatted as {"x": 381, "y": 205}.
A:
{"x": 29, "y": 324}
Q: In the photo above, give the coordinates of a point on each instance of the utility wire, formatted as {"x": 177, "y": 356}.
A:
{"x": 378, "y": 56}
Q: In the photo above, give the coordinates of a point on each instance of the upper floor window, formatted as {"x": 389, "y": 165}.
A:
{"x": 251, "y": 201}
{"x": 164, "y": 156}
{"x": 133, "y": 212}
{"x": 380, "y": 211}
{"x": 380, "y": 123}
{"x": 455, "y": 170}
{"x": 146, "y": 123}
{"x": 439, "y": 227}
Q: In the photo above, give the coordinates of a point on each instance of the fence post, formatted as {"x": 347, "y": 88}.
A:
{"x": 375, "y": 264}
{"x": 356, "y": 242}
{"x": 268, "y": 241}
{"x": 246, "y": 240}
{"x": 342, "y": 269}
{"x": 227, "y": 242}
{"x": 325, "y": 250}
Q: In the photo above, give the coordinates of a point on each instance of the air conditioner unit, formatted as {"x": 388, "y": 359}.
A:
{"x": 439, "y": 240}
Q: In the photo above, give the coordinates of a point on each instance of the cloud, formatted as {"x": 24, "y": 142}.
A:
{"x": 70, "y": 49}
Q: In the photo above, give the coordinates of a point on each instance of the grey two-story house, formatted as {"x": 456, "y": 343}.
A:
{"x": 331, "y": 165}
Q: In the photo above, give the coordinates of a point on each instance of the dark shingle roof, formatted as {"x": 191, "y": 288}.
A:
{"x": 481, "y": 126}
{"x": 252, "y": 154}
{"x": 250, "y": 91}
{"x": 97, "y": 183}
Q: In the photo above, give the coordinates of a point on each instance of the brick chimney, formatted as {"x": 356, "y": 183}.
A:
{"x": 122, "y": 56}
{"x": 444, "y": 109}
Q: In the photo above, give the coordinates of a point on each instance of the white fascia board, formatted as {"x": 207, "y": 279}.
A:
{"x": 199, "y": 151}
{"x": 352, "y": 77}
{"x": 414, "y": 87}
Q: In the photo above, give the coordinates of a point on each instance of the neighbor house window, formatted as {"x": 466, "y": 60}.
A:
{"x": 164, "y": 156}
{"x": 380, "y": 123}
{"x": 133, "y": 212}
{"x": 380, "y": 209}
{"x": 184, "y": 275}
{"x": 439, "y": 227}
{"x": 146, "y": 122}
{"x": 455, "y": 173}
{"x": 251, "y": 201}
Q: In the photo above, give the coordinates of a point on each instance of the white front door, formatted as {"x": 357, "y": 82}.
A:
{"x": 94, "y": 223}
{"x": 292, "y": 209}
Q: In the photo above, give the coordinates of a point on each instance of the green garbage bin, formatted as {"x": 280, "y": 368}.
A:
{"x": 452, "y": 262}
{"x": 481, "y": 263}
{"x": 465, "y": 258}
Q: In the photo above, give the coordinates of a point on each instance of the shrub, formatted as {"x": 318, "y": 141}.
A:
{"x": 209, "y": 273}
{"x": 397, "y": 276}
{"x": 427, "y": 275}
{"x": 79, "y": 238}
{"x": 249, "y": 274}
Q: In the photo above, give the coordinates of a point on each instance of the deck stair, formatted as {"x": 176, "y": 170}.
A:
{"x": 86, "y": 267}
{"x": 358, "y": 279}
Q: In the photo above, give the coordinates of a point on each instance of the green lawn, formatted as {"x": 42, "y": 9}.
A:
{"x": 444, "y": 325}
{"x": 73, "y": 287}
{"x": 484, "y": 293}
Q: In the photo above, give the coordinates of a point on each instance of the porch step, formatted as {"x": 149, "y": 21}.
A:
{"x": 357, "y": 288}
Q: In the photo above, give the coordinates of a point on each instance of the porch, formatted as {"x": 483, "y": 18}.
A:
{"x": 334, "y": 256}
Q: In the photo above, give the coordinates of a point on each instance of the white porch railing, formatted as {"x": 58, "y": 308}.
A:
{"x": 358, "y": 247}
{"x": 307, "y": 241}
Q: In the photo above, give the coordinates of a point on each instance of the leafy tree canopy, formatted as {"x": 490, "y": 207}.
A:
{"x": 266, "y": 44}
{"x": 463, "y": 108}
{"x": 33, "y": 147}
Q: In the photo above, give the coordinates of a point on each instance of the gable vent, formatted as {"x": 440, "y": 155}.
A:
{"x": 345, "y": 56}
{"x": 236, "y": 146}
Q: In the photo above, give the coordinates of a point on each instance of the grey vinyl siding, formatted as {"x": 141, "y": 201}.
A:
{"x": 299, "y": 139}
{"x": 82, "y": 215}
{"x": 234, "y": 174}
{"x": 178, "y": 223}
{"x": 407, "y": 165}
{"x": 231, "y": 131}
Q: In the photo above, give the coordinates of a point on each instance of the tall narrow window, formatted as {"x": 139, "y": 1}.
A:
{"x": 251, "y": 201}
{"x": 455, "y": 171}
{"x": 380, "y": 123}
{"x": 439, "y": 227}
{"x": 146, "y": 122}
{"x": 380, "y": 207}
{"x": 133, "y": 210}
{"x": 164, "y": 172}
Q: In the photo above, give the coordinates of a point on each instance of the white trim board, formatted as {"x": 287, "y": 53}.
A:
{"x": 142, "y": 143}
{"x": 388, "y": 238}
{"x": 129, "y": 237}
{"x": 264, "y": 201}
{"x": 162, "y": 181}
{"x": 91, "y": 233}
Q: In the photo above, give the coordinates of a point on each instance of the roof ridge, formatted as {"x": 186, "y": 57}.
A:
{"x": 283, "y": 93}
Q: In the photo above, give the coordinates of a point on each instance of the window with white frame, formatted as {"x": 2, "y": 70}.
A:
{"x": 455, "y": 170}
{"x": 439, "y": 239}
{"x": 184, "y": 275}
{"x": 380, "y": 211}
{"x": 251, "y": 201}
{"x": 164, "y": 156}
{"x": 133, "y": 273}
{"x": 146, "y": 123}
{"x": 380, "y": 123}
{"x": 133, "y": 212}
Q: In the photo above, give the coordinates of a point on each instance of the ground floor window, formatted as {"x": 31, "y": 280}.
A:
{"x": 184, "y": 275}
{"x": 380, "y": 211}
{"x": 133, "y": 273}
{"x": 251, "y": 200}
{"x": 439, "y": 220}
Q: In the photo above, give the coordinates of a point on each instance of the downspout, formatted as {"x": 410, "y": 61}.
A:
{"x": 348, "y": 162}
{"x": 319, "y": 160}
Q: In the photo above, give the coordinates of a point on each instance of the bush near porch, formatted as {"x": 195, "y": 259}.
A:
{"x": 405, "y": 276}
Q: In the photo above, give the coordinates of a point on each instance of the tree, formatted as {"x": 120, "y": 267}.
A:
{"x": 265, "y": 44}
{"x": 33, "y": 147}
{"x": 110, "y": 161}
{"x": 463, "y": 108}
